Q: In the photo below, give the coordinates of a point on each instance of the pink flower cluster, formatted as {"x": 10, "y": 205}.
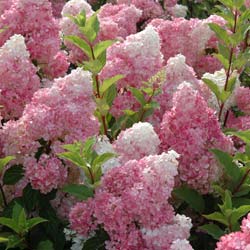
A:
{"x": 59, "y": 114}
{"x": 34, "y": 20}
{"x": 46, "y": 174}
{"x": 237, "y": 240}
{"x": 132, "y": 205}
{"x": 136, "y": 142}
{"x": 137, "y": 59}
{"x": 114, "y": 22}
{"x": 18, "y": 80}
{"x": 189, "y": 38}
{"x": 192, "y": 129}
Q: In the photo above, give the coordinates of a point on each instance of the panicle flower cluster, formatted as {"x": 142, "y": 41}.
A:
{"x": 189, "y": 38}
{"x": 46, "y": 174}
{"x": 237, "y": 240}
{"x": 114, "y": 22}
{"x": 177, "y": 71}
{"x": 132, "y": 205}
{"x": 192, "y": 129}
{"x": 150, "y": 8}
{"x": 34, "y": 20}
{"x": 137, "y": 58}
{"x": 136, "y": 142}
{"x": 18, "y": 80}
{"x": 59, "y": 114}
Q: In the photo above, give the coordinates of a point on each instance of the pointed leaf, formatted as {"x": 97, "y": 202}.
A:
{"x": 212, "y": 229}
{"x": 82, "y": 192}
{"x": 107, "y": 83}
{"x": 191, "y": 196}
{"x": 35, "y": 221}
{"x": 80, "y": 43}
{"x": 100, "y": 47}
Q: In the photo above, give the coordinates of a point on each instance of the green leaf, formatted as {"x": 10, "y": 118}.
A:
{"x": 138, "y": 95}
{"x": 35, "y": 221}
{"x": 45, "y": 245}
{"x": 216, "y": 216}
{"x": 227, "y": 3}
{"x": 190, "y": 196}
{"x": 231, "y": 84}
{"x": 91, "y": 28}
{"x": 239, "y": 212}
{"x": 4, "y": 161}
{"x": 237, "y": 202}
{"x": 223, "y": 60}
{"x": 230, "y": 167}
{"x": 80, "y": 43}
{"x": 9, "y": 223}
{"x": 110, "y": 95}
{"x": 3, "y": 239}
{"x": 97, "y": 242}
{"x": 14, "y": 241}
{"x": 13, "y": 175}
{"x": 100, "y": 47}
{"x": 220, "y": 33}
{"x": 243, "y": 135}
{"x": 82, "y": 192}
{"x": 74, "y": 158}
{"x": 213, "y": 87}
{"x": 212, "y": 229}
{"x": 94, "y": 66}
{"x": 107, "y": 83}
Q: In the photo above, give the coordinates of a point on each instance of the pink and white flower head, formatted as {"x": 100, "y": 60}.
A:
{"x": 238, "y": 240}
{"x": 34, "y": 20}
{"x": 18, "y": 77}
{"x": 45, "y": 175}
{"x": 187, "y": 37}
{"x": 137, "y": 58}
{"x": 63, "y": 112}
{"x": 131, "y": 202}
{"x": 114, "y": 21}
{"x": 136, "y": 142}
{"x": 192, "y": 129}
{"x": 5, "y": 5}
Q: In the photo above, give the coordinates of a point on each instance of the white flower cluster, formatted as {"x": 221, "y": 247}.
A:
{"x": 15, "y": 47}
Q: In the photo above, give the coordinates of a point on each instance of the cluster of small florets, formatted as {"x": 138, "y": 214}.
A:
{"x": 192, "y": 129}
{"x": 18, "y": 80}
{"x": 136, "y": 142}
{"x": 34, "y": 20}
{"x": 237, "y": 240}
{"x": 189, "y": 38}
{"x": 46, "y": 174}
{"x": 132, "y": 205}
{"x": 59, "y": 115}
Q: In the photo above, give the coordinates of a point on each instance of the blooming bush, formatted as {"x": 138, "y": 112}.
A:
{"x": 124, "y": 125}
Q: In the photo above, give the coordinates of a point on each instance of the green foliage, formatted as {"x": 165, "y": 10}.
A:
{"x": 104, "y": 91}
{"x": 20, "y": 225}
{"x": 13, "y": 175}
{"x": 85, "y": 157}
{"x": 191, "y": 197}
